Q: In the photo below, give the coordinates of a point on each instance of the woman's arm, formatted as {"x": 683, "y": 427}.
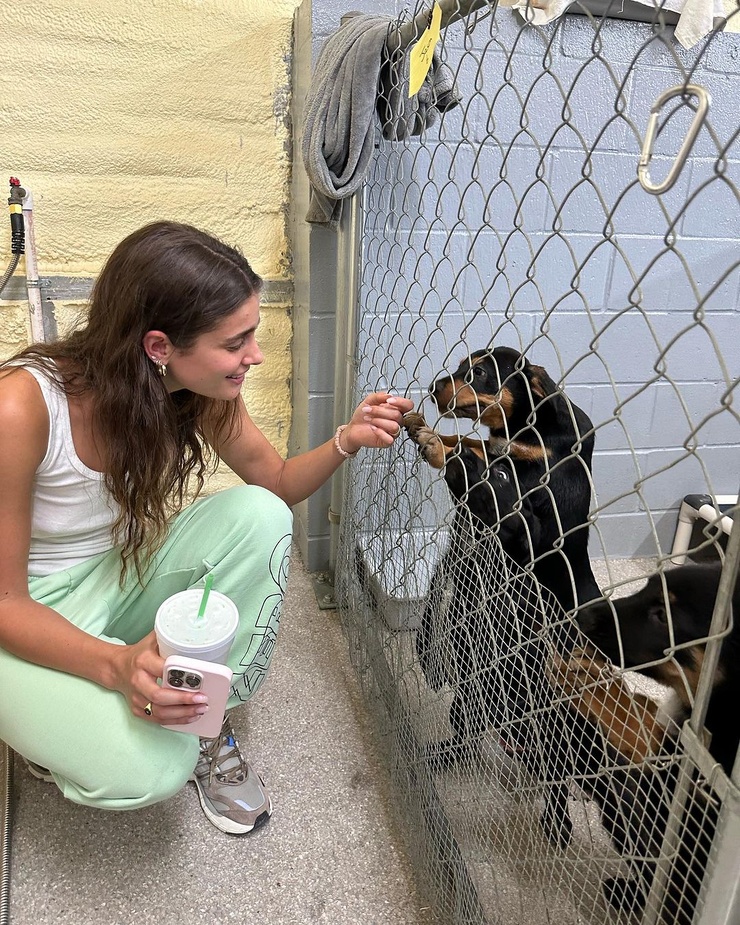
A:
{"x": 30, "y": 630}
{"x": 27, "y": 629}
{"x": 375, "y": 423}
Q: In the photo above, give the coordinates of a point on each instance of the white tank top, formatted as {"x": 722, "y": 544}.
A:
{"x": 72, "y": 512}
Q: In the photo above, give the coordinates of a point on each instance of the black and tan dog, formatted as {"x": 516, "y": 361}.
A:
{"x": 539, "y": 449}
{"x": 661, "y": 632}
{"x": 524, "y": 492}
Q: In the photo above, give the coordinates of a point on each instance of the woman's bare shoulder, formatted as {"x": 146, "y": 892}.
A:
{"x": 23, "y": 411}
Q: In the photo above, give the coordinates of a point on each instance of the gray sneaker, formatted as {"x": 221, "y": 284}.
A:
{"x": 39, "y": 772}
{"x": 232, "y": 794}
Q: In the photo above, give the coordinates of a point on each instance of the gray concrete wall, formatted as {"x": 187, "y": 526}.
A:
{"x": 314, "y": 249}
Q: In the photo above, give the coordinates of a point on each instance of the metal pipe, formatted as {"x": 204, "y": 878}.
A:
{"x": 453, "y": 11}
{"x": 18, "y": 242}
{"x": 33, "y": 284}
{"x": 727, "y": 828}
{"x": 345, "y": 340}
{"x": 721, "y": 905}
{"x": 6, "y": 794}
{"x": 10, "y": 271}
{"x": 720, "y": 621}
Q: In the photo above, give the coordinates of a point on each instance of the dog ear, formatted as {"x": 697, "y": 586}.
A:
{"x": 539, "y": 381}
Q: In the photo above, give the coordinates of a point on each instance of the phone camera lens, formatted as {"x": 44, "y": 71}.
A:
{"x": 192, "y": 680}
{"x": 174, "y": 680}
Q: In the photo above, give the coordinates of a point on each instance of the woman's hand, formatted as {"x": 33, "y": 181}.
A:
{"x": 137, "y": 670}
{"x": 376, "y": 422}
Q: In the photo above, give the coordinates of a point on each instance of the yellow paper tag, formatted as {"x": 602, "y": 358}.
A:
{"x": 420, "y": 59}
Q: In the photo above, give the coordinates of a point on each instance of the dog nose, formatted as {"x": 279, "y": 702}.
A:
{"x": 439, "y": 387}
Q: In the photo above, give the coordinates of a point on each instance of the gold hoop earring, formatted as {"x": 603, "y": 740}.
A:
{"x": 160, "y": 365}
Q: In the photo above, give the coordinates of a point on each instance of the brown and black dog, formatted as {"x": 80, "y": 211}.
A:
{"x": 526, "y": 490}
{"x": 661, "y": 633}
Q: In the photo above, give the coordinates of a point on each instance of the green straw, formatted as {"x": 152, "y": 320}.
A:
{"x": 204, "y": 599}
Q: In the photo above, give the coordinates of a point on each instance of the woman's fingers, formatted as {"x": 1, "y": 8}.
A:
{"x": 166, "y": 705}
{"x": 177, "y": 716}
{"x": 377, "y": 421}
{"x": 169, "y": 713}
{"x": 387, "y": 414}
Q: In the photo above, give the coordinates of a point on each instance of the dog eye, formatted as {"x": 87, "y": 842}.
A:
{"x": 658, "y": 613}
{"x": 502, "y": 474}
{"x": 479, "y": 372}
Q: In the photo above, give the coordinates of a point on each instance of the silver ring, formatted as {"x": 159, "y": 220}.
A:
{"x": 148, "y": 709}
{"x": 398, "y": 432}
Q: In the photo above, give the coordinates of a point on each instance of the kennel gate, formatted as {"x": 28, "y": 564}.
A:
{"x": 519, "y": 220}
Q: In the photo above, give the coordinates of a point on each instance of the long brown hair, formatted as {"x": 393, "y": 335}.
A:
{"x": 172, "y": 278}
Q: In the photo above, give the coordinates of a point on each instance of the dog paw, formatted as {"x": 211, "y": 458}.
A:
{"x": 412, "y": 420}
{"x": 571, "y": 675}
{"x": 429, "y": 442}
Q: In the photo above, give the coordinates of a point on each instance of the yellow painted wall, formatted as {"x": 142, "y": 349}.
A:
{"x": 115, "y": 114}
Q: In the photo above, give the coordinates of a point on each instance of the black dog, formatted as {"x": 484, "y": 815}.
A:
{"x": 522, "y": 495}
{"x": 636, "y": 631}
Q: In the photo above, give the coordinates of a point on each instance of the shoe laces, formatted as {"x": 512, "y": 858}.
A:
{"x": 225, "y": 760}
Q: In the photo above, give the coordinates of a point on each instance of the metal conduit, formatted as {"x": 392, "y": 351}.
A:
{"x": 452, "y": 11}
{"x": 6, "y": 793}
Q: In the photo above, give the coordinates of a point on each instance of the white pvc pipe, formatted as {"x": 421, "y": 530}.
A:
{"x": 33, "y": 286}
{"x": 687, "y": 517}
{"x": 686, "y": 520}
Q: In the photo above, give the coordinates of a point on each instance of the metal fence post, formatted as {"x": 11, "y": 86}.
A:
{"x": 722, "y": 897}
{"x": 345, "y": 340}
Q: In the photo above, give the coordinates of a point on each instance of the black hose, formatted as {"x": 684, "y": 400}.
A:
{"x": 17, "y": 229}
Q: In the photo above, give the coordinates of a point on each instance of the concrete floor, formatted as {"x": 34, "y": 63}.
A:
{"x": 331, "y": 853}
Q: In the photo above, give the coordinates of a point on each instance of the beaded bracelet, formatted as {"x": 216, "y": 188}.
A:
{"x": 338, "y": 445}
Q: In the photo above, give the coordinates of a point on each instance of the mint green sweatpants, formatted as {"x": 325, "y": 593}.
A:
{"x": 99, "y": 753}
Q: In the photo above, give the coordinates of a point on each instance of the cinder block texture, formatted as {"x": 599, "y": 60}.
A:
{"x": 519, "y": 220}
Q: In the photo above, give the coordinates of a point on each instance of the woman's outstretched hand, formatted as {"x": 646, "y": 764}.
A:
{"x": 376, "y": 422}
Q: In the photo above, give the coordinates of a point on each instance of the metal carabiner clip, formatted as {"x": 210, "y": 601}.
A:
{"x": 652, "y": 130}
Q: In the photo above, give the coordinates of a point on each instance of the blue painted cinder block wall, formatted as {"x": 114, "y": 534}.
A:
{"x": 527, "y": 227}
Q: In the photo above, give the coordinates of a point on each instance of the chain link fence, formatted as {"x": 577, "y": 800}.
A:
{"x": 519, "y": 221}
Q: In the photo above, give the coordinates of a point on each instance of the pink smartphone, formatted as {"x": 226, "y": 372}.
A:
{"x": 193, "y": 674}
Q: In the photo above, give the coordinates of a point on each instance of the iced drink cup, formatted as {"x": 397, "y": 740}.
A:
{"x": 180, "y": 632}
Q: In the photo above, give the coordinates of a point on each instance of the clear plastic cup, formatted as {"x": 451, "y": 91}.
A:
{"x": 180, "y": 632}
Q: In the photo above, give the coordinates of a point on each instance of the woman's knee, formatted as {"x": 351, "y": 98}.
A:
{"x": 137, "y": 778}
{"x": 245, "y": 508}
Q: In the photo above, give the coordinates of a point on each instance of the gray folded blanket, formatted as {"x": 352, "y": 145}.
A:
{"x": 354, "y": 77}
